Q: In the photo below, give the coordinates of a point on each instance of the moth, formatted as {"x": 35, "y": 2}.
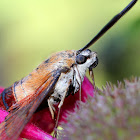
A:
{"x": 53, "y": 80}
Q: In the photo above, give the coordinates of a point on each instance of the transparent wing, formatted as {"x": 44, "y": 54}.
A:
{"x": 21, "y": 112}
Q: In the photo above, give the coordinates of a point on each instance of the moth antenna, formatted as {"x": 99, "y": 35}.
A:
{"x": 109, "y": 25}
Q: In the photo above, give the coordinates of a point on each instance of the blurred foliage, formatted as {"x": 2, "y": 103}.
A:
{"x": 31, "y": 30}
{"x": 122, "y": 54}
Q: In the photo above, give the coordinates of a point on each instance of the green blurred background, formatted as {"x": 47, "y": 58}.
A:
{"x": 30, "y": 30}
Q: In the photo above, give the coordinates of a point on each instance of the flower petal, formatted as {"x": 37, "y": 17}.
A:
{"x": 1, "y": 89}
{"x": 34, "y": 133}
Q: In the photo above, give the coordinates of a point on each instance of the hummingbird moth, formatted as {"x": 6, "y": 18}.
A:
{"x": 53, "y": 80}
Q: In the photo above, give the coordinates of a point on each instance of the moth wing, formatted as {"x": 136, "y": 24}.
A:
{"x": 21, "y": 113}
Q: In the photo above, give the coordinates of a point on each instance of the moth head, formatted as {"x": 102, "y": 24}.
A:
{"x": 87, "y": 59}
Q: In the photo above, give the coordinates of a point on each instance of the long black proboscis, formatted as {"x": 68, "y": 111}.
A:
{"x": 109, "y": 25}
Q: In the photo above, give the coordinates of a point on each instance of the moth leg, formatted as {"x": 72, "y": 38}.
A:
{"x": 92, "y": 76}
{"x": 56, "y": 123}
{"x": 63, "y": 98}
{"x": 59, "y": 106}
{"x": 51, "y": 108}
{"x": 62, "y": 101}
{"x": 79, "y": 80}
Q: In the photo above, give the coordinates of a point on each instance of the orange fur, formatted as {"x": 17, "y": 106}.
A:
{"x": 31, "y": 83}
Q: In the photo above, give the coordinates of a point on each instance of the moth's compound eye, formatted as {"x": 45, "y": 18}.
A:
{"x": 80, "y": 59}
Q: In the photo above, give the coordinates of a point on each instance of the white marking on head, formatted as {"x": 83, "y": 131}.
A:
{"x": 85, "y": 60}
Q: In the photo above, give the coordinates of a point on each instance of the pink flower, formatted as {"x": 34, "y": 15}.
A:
{"x": 41, "y": 124}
